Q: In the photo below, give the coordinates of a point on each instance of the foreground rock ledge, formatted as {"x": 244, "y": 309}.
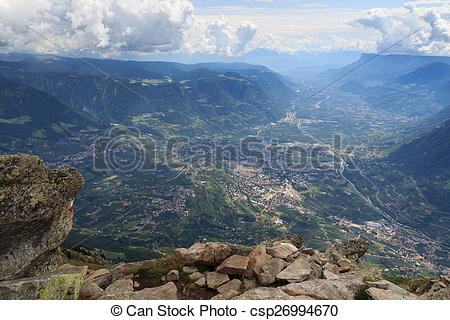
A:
{"x": 34, "y": 214}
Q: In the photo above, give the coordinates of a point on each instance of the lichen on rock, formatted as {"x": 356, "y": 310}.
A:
{"x": 34, "y": 214}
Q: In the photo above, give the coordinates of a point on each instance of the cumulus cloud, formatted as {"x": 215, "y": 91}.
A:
{"x": 116, "y": 26}
{"x": 395, "y": 24}
{"x": 219, "y": 36}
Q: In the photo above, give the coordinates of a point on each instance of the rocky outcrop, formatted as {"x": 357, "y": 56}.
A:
{"x": 211, "y": 253}
{"x": 35, "y": 215}
{"x": 64, "y": 283}
{"x": 352, "y": 250}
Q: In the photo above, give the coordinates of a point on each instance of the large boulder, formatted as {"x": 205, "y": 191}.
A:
{"x": 35, "y": 215}
{"x": 169, "y": 291}
{"x": 234, "y": 265}
{"x": 270, "y": 270}
{"x": 298, "y": 271}
{"x": 282, "y": 249}
{"x": 344, "y": 288}
{"x": 210, "y": 253}
{"x": 64, "y": 283}
{"x": 256, "y": 260}
{"x": 352, "y": 250}
{"x": 216, "y": 279}
{"x": 264, "y": 293}
{"x": 385, "y": 290}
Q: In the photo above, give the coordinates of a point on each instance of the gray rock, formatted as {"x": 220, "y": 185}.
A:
{"x": 264, "y": 293}
{"x": 196, "y": 275}
{"x": 173, "y": 275}
{"x": 390, "y": 291}
{"x": 345, "y": 263}
{"x": 201, "y": 282}
{"x": 343, "y": 288}
{"x": 211, "y": 253}
{"x": 270, "y": 270}
{"x": 100, "y": 277}
{"x": 441, "y": 294}
{"x": 65, "y": 283}
{"x": 226, "y": 295}
{"x": 34, "y": 215}
{"x": 249, "y": 284}
{"x": 298, "y": 271}
{"x": 168, "y": 291}
{"x": 234, "y": 265}
{"x": 308, "y": 251}
{"x": 282, "y": 250}
{"x": 120, "y": 286}
{"x": 256, "y": 260}
{"x": 329, "y": 275}
{"x": 90, "y": 291}
{"x": 216, "y": 279}
{"x": 234, "y": 284}
{"x": 352, "y": 250}
{"x": 332, "y": 268}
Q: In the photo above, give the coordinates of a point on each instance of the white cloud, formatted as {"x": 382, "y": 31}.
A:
{"x": 115, "y": 26}
{"x": 395, "y": 24}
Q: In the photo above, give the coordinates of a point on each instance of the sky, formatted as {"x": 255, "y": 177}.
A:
{"x": 121, "y": 28}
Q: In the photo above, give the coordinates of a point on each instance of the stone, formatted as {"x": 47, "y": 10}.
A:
{"x": 352, "y": 250}
{"x": 234, "y": 265}
{"x": 381, "y": 294}
{"x": 124, "y": 269}
{"x": 249, "y": 284}
{"x": 173, "y": 275}
{"x": 308, "y": 251}
{"x": 201, "y": 282}
{"x": 264, "y": 293}
{"x": 329, "y": 275}
{"x": 441, "y": 294}
{"x": 234, "y": 284}
{"x": 64, "y": 283}
{"x": 256, "y": 260}
{"x": 168, "y": 291}
{"x": 295, "y": 239}
{"x": 270, "y": 270}
{"x": 389, "y": 291}
{"x": 298, "y": 271}
{"x": 35, "y": 216}
{"x": 90, "y": 291}
{"x": 343, "y": 288}
{"x": 332, "y": 268}
{"x": 344, "y": 269}
{"x": 120, "y": 286}
{"x": 195, "y": 276}
{"x": 216, "y": 279}
{"x": 190, "y": 269}
{"x": 445, "y": 279}
{"x": 100, "y": 277}
{"x": 210, "y": 253}
{"x": 226, "y": 295}
{"x": 345, "y": 263}
{"x": 281, "y": 250}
